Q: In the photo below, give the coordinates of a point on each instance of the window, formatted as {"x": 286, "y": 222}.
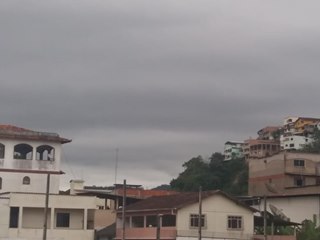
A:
{"x": 2, "y": 148}
{"x": 151, "y": 221}
{"x": 45, "y": 152}
{"x": 168, "y": 221}
{"x": 137, "y": 221}
{"x": 291, "y": 145}
{"x": 0, "y": 183}
{"x": 26, "y": 180}
{"x": 23, "y": 151}
{"x": 63, "y": 220}
{"x": 298, "y": 163}
{"x": 14, "y": 217}
{"x": 194, "y": 220}
{"x": 235, "y": 222}
{"x": 298, "y": 181}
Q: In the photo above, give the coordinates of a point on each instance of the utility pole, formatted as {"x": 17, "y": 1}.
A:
{"x": 265, "y": 217}
{"x": 159, "y": 216}
{"x": 45, "y": 226}
{"x": 124, "y": 196}
{"x": 200, "y": 214}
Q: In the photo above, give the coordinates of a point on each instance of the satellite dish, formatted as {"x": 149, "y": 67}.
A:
{"x": 277, "y": 212}
{"x": 271, "y": 187}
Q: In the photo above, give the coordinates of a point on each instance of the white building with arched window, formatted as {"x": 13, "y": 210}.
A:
{"x": 26, "y": 157}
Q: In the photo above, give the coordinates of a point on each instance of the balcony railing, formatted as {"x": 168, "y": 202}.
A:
{"x": 148, "y": 233}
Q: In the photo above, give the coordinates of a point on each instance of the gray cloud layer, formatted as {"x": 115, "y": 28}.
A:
{"x": 163, "y": 81}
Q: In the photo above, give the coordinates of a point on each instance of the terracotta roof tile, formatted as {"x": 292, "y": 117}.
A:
{"x": 14, "y": 132}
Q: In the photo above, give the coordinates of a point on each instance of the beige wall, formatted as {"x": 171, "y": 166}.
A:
{"x": 31, "y": 215}
{"x": 104, "y": 218}
{"x": 55, "y": 201}
{"x": 52, "y": 234}
{"x": 4, "y": 216}
{"x": 217, "y": 209}
{"x": 33, "y": 218}
{"x": 275, "y": 174}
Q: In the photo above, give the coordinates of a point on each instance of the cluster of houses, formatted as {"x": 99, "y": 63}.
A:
{"x": 283, "y": 190}
{"x": 294, "y": 134}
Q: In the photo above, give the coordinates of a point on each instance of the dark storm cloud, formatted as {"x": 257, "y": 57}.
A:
{"x": 161, "y": 80}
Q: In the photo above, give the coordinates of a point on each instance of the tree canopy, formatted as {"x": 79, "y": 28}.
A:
{"x": 215, "y": 173}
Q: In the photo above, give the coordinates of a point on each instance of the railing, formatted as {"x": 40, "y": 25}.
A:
{"x": 274, "y": 237}
{"x": 22, "y": 164}
{"x": 216, "y": 234}
{"x": 148, "y": 233}
{"x": 32, "y": 164}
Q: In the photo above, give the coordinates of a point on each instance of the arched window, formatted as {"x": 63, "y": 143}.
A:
{"x": 26, "y": 180}
{"x": 23, "y": 151}
{"x": 0, "y": 183}
{"x": 45, "y": 152}
{"x": 2, "y": 148}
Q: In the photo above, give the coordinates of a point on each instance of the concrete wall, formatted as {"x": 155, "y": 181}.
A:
{"x": 275, "y": 175}
{"x": 297, "y": 208}
{"x": 52, "y": 234}
{"x": 4, "y": 216}
{"x": 12, "y": 181}
{"x": 104, "y": 218}
{"x": 217, "y": 209}
{"x": 31, "y": 212}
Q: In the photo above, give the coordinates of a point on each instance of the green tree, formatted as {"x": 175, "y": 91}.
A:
{"x": 196, "y": 174}
{"x": 309, "y": 231}
{"x": 229, "y": 176}
{"x": 313, "y": 147}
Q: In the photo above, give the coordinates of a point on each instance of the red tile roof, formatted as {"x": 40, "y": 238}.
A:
{"x": 14, "y": 132}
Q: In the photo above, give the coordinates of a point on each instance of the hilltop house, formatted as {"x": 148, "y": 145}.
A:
{"x": 297, "y": 132}
{"x": 233, "y": 150}
{"x": 223, "y": 217}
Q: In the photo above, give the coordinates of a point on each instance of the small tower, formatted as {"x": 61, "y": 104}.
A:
{"x": 26, "y": 157}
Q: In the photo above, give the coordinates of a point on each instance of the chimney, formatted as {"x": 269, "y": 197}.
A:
{"x": 76, "y": 185}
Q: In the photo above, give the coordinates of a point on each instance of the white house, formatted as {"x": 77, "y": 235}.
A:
{"x": 233, "y": 150}
{"x": 295, "y": 142}
{"x": 223, "y": 217}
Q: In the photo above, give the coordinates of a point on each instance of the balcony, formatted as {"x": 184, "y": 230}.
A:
{"x": 22, "y": 164}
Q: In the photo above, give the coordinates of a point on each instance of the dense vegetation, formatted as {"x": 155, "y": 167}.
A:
{"x": 229, "y": 176}
{"x": 313, "y": 147}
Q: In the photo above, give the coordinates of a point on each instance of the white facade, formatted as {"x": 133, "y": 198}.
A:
{"x": 27, "y": 158}
{"x": 297, "y": 208}
{"x": 217, "y": 210}
{"x": 69, "y": 217}
{"x": 233, "y": 150}
{"x": 294, "y": 142}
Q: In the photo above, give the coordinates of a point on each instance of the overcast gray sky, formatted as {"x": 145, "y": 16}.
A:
{"x": 163, "y": 80}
